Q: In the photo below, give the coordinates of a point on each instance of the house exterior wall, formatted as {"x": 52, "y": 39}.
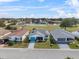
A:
{"x": 35, "y": 36}
{"x": 13, "y": 38}
{"x": 19, "y": 38}
{"x": 64, "y": 40}
{"x": 25, "y": 35}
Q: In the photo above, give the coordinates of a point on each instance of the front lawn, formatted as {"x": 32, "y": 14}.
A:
{"x": 13, "y": 44}
{"x": 19, "y": 45}
{"x": 46, "y": 44}
{"x": 74, "y": 45}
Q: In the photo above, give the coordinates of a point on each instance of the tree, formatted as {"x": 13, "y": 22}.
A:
{"x": 2, "y": 24}
{"x": 68, "y": 22}
{"x": 9, "y": 27}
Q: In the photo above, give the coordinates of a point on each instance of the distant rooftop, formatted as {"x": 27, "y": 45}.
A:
{"x": 3, "y": 32}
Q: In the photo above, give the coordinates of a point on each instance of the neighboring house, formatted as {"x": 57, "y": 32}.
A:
{"x": 3, "y": 36}
{"x": 76, "y": 34}
{"x": 18, "y": 35}
{"x": 39, "y": 35}
{"x": 54, "y": 22}
{"x": 62, "y": 36}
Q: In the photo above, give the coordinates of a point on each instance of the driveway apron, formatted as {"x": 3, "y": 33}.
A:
{"x": 63, "y": 46}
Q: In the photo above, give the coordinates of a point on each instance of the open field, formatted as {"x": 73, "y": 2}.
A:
{"x": 46, "y": 27}
{"x": 49, "y": 27}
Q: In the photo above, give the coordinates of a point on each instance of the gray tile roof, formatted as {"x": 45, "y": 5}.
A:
{"x": 45, "y": 32}
{"x": 60, "y": 33}
{"x": 39, "y": 32}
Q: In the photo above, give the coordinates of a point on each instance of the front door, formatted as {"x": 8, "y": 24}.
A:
{"x": 32, "y": 38}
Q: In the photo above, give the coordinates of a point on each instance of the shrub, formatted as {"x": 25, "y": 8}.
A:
{"x": 10, "y": 43}
{"x": 68, "y": 58}
{"x": 26, "y": 40}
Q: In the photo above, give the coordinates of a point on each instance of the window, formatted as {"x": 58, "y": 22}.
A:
{"x": 69, "y": 39}
{"x": 39, "y": 38}
{"x": 61, "y": 39}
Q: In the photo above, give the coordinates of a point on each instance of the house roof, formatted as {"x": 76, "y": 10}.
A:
{"x": 60, "y": 33}
{"x": 20, "y": 32}
{"x": 45, "y": 32}
{"x": 76, "y": 33}
{"x": 3, "y": 32}
{"x": 39, "y": 32}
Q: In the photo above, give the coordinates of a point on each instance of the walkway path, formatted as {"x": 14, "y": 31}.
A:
{"x": 31, "y": 44}
{"x": 63, "y": 46}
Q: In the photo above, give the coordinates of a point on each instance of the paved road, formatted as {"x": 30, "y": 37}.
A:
{"x": 37, "y": 54}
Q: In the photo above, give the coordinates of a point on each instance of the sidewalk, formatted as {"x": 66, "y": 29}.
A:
{"x": 31, "y": 45}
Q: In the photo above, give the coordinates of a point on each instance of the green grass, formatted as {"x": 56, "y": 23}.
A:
{"x": 23, "y": 44}
{"x": 74, "y": 45}
{"x": 19, "y": 45}
{"x": 47, "y": 27}
{"x": 46, "y": 44}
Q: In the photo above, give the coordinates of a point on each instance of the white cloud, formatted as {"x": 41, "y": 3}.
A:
{"x": 75, "y": 5}
{"x": 36, "y": 7}
{"x": 8, "y": 0}
{"x": 20, "y": 8}
{"x": 72, "y": 3}
{"x": 32, "y": 15}
{"x": 3, "y": 15}
{"x": 60, "y": 12}
{"x": 12, "y": 8}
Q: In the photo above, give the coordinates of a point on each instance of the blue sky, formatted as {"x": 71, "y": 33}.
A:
{"x": 39, "y": 8}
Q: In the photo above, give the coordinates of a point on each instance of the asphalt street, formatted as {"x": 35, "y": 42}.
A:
{"x": 37, "y": 54}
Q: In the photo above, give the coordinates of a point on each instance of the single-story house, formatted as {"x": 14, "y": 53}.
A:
{"x": 61, "y": 36}
{"x": 39, "y": 35}
{"x": 3, "y": 36}
{"x": 18, "y": 35}
{"x": 76, "y": 34}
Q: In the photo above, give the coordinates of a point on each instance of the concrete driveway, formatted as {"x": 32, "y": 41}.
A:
{"x": 31, "y": 44}
{"x": 63, "y": 46}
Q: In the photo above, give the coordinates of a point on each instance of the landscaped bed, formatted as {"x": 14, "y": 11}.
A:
{"x": 74, "y": 45}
